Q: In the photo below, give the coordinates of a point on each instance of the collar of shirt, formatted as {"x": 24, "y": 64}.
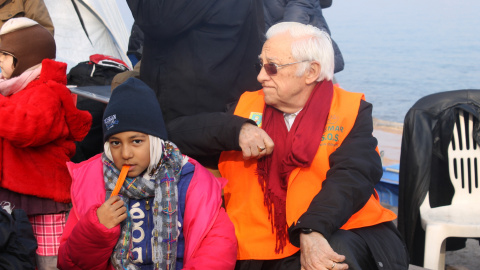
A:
{"x": 290, "y": 118}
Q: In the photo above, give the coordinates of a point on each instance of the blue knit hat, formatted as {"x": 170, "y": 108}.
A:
{"x": 133, "y": 106}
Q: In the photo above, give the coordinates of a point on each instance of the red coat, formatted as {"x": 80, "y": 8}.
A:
{"x": 38, "y": 127}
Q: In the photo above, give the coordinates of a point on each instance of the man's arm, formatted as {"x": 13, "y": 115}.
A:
{"x": 209, "y": 134}
{"x": 206, "y": 133}
{"x": 299, "y": 11}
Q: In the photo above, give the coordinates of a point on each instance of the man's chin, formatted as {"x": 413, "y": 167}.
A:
{"x": 270, "y": 103}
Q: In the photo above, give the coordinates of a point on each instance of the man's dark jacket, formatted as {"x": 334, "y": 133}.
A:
{"x": 427, "y": 132}
{"x": 199, "y": 56}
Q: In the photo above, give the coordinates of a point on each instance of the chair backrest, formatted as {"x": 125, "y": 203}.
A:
{"x": 464, "y": 161}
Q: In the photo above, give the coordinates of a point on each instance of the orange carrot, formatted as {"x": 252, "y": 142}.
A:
{"x": 121, "y": 179}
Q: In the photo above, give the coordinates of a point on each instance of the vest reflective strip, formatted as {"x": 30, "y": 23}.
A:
{"x": 244, "y": 196}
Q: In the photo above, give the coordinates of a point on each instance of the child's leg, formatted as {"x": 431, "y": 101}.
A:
{"x": 46, "y": 262}
{"x": 48, "y": 230}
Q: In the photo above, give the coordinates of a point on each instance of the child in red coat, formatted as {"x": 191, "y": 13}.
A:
{"x": 38, "y": 126}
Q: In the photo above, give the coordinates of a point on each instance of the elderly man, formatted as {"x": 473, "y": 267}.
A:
{"x": 311, "y": 203}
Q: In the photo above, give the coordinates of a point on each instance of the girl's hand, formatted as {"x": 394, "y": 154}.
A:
{"x": 112, "y": 212}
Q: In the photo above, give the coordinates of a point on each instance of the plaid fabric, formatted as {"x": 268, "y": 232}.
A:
{"x": 48, "y": 230}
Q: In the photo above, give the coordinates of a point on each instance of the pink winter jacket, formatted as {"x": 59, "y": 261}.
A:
{"x": 210, "y": 241}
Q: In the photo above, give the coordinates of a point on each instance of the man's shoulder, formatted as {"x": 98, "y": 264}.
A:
{"x": 254, "y": 93}
{"x": 340, "y": 90}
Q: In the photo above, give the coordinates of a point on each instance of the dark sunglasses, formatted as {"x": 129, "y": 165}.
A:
{"x": 272, "y": 68}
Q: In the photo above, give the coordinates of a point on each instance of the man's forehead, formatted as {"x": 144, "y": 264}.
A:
{"x": 277, "y": 47}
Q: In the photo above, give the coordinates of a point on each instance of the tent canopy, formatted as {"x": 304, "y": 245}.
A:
{"x": 86, "y": 27}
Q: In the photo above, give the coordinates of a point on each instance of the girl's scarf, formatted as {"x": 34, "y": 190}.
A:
{"x": 293, "y": 149}
{"x": 13, "y": 85}
{"x": 162, "y": 186}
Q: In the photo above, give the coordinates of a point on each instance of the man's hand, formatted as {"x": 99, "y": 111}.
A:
{"x": 316, "y": 253}
{"x": 254, "y": 141}
{"x": 112, "y": 212}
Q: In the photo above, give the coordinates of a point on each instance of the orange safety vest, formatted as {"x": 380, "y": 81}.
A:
{"x": 244, "y": 200}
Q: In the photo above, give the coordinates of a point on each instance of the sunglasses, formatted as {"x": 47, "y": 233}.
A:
{"x": 272, "y": 68}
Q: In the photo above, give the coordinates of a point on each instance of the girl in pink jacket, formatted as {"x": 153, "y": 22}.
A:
{"x": 168, "y": 213}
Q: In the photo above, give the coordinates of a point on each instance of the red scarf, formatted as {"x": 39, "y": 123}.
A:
{"x": 293, "y": 149}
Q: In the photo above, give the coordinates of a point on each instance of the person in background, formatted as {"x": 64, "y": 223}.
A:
{"x": 302, "y": 11}
{"x": 311, "y": 201}
{"x": 39, "y": 124}
{"x": 135, "y": 44}
{"x": 32, "y": 9}
{"x": 199, "y": 56}
{"x": 168, "y": 213}
{"x": 134, "y": 53}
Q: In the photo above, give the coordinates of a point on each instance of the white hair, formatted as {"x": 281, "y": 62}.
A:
{"x": 311, "y": 44}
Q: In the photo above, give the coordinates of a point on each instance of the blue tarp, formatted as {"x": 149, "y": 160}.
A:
{"x": 387, "y": 188}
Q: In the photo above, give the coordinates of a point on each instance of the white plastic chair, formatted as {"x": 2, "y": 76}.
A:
{"x": 462, "y": 217}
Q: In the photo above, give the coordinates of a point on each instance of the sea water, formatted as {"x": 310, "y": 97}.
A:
{"x": 397, "y": 51}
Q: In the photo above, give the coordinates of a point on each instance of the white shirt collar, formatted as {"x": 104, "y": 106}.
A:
{"x": 290, "y": 118}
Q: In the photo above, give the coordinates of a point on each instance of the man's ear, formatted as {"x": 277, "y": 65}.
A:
{"x": 312, "y": 72}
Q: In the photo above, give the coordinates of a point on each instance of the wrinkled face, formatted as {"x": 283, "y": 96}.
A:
{"x": 130, "y": 148}
{"x": 6, "y": 64}
{"x": 284, "y": 90}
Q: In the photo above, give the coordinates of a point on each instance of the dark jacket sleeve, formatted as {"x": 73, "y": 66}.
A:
{"x": 207, "y": 134}
{"x": 300, "y": 11}
{"x": 355, "y": 168}
{"x": 325, "y": 3}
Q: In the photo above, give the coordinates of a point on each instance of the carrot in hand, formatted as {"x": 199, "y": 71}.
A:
{"x": 121, "y": 179}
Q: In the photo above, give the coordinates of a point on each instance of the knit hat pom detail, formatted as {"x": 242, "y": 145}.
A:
{"x": 16, "y": 24}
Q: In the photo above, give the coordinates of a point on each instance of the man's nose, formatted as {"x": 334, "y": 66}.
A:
{"x": 262, "y": 75}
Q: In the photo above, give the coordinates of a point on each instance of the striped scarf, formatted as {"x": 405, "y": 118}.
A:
{"x": 162, "y": 186}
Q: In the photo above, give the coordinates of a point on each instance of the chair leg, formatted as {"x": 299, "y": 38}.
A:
{"x": 443, "y": 248}
{"x": 434, "y": 248}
